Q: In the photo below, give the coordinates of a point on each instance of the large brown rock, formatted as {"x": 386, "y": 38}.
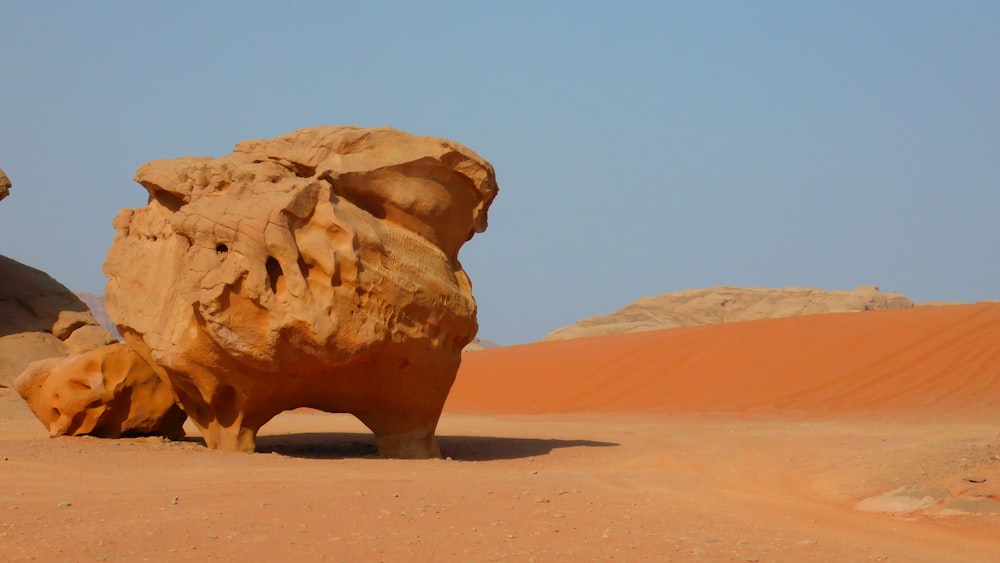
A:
{"x": 108, "y": 392}
{"x": 316, "y": 269}
{"x": 726, "y": 304}
{"x": 40, "y": 318}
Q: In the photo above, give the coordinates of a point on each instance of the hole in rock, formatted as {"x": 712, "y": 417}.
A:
{"x": 221, "y": 248}
{"x": 274, "y": 273}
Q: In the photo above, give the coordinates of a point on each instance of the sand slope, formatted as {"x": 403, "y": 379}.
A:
{"x": 942, "y": 360}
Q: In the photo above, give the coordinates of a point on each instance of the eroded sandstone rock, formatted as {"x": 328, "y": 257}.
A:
{"x": 108, "y": 392}
{"x": 316, "y": 269}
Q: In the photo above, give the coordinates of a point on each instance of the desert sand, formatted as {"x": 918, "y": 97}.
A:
{"x": 841, "y": 437}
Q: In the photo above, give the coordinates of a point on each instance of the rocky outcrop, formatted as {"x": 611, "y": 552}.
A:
{"x": 726, "y": 304}
{"x": 108, "y": 392}
{"x": 40, "y": 318}
{"x": 5, "y": 185}
{"x": 316, "y": 269}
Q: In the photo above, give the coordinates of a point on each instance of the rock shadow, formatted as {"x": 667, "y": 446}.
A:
{"x": 334, "y": 445}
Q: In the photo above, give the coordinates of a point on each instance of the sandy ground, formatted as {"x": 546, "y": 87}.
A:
{"x": 681, "y": 446}
{"x": 519, "y": 488}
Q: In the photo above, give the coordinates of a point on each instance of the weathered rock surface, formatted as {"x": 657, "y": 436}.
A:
{"x": 108, "y": 392}
{"x": 40, "y": 318}
{"x": 316, "y": 269}
{"x": 726, "y": 304}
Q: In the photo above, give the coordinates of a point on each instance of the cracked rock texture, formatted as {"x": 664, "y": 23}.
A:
{"x": 108, "y": 392}
{"x": 316, "y": 269}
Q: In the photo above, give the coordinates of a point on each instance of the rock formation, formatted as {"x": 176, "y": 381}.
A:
{"x": 725, "y": 304}
{"x": 5, "y": 185}
{"x": 39, "y": 317}
{"x": 108, "y": 392}
{"x": 316, "y": 269}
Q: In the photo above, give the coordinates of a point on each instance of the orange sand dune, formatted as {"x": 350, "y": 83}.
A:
{"x": 928, "y": 360}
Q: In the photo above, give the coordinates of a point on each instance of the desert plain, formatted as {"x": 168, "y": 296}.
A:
{"x": 869, "y": 436}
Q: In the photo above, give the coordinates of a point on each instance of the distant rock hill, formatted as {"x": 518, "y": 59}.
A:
{"x": 726, "y": 304}
{"x": 480, "y": 344}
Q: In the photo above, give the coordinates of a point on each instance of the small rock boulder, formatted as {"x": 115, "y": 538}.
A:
{"x": 109, "y": 392}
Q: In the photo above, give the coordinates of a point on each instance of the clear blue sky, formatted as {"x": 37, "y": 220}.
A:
{"x": 640, "y": 147}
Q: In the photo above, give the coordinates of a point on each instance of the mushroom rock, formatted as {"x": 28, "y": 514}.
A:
{"x": 316, "y": 269}
{"x": 108, "y": 392}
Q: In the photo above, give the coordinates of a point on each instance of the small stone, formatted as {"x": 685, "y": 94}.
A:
{"x": 976, "y": 479}
{"x": 174, "y": 500}
{"x": 65, "y": 504}
{"x": 212, "y": 535}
